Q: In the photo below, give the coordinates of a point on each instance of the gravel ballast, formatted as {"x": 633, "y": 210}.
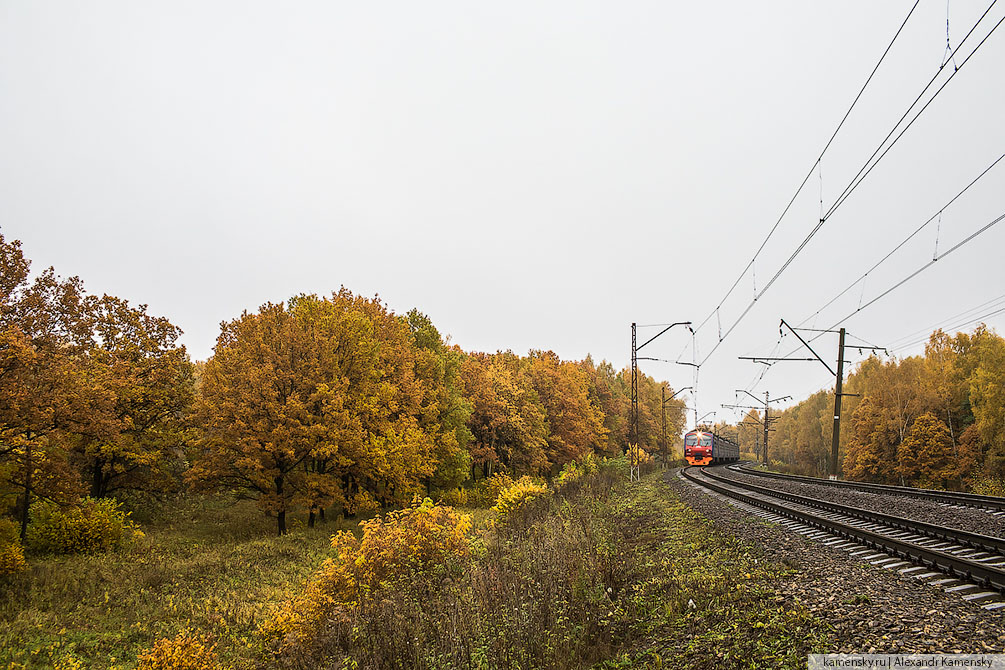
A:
{"x": 871, "y": 609}
{"x": 970, "y": 519}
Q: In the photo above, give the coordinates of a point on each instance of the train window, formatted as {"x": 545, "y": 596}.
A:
{"x": 690, "y": 440}
{"x": 706, "y": 441}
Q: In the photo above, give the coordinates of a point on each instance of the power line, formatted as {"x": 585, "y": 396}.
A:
{"x": 809, "y": 173}
{"x": 999, "y": 309}
{"x": 912, "y": 275}
{"x": 861, "y": 175}
{"x": 992, "y": 304}
{"x": 924, "y": 267}
{"x": 904, "y": 241}
{"x": 863, "y": 171}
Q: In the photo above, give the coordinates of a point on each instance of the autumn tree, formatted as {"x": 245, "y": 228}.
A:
{"x": 609, "y": 394}
{"x": 444, "y": 411}
{"x": 145, "y": 384}
{"x": 44, "y": 335}
{"x": 750, "y": 430}
{"x": 327, "y": 401}
{"x": 986, "y": 381}
{"x": 926, "y": 454}
{"x": 872, "y": 455}
{"x": 284, "y": 385}
{"x": 576, "y": 426}
{"x": 508, "y": 422}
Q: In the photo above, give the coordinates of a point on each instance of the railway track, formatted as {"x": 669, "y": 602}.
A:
{"x": 952, "y": 499}
{"x": 962, "y": 562}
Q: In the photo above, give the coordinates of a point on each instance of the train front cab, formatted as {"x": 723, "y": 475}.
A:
{"x": 698, "y": 448}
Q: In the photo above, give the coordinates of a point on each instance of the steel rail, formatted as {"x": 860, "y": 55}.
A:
{"x": 936, "y": 532}
{"x": 967, "y": 499}
{"x": 954, "y": 565}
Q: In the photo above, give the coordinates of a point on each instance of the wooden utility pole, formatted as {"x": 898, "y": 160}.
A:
{"x": 766, "y": 424}
{"x": 838, "y": 382}
{"x": 836, "y": 437}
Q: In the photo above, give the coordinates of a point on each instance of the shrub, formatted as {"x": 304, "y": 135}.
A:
{"x": 486, "y": 492}
{"x": 639, "y": 456}
{"x": 409, "y": 541}
{"x": 515, "y": 497}
{"x": 183, "y": 652}
{"x": 362, "y": 504}
{"x": 11, "y": 553}
{"x": 457, "y": 497}
{"x": 90, "y": 526}
{"x": 575, "y": 470}
{"x": 416, "y": 541}
{"x": 987, "y": 486}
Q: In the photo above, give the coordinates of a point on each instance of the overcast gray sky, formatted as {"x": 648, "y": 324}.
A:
{"x": 530, "y": 175}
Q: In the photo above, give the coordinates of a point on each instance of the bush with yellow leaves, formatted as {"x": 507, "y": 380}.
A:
{"x": 639, "y": 456}
{"x": 486, "y": 492}
{"x": 575, "y": 470}
{"x": 456, "y": 497}
{"x": 986, "y": 486}
{"x": 11, "y": 553}
{"x": 87, "y": 527}
{"x": 406, "y": 544}
{"x": 185, "y": 651}
{"x": 515, "y": 497}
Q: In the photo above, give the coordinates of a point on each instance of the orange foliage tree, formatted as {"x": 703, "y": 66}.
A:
{"x": 327, "y": 401}
{"x": 926, "y": 454}
{"x": 508, "y": 423}
{"x": 576, "y": 425}
{"x": 44, "y": 336}
{"x": 145, "y": 384}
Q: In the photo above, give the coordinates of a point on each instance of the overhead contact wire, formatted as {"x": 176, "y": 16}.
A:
{"x": 866, "y": 168}
{"x": 905, "y": 240}
{"x": 809, "y": 174}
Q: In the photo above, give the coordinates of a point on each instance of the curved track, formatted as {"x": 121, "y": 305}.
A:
{"x": 915, "y": 548}
{"x": 993, "y": 503}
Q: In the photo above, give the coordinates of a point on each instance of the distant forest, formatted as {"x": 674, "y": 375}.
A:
{"x": 317, "y": 403}
{"x": 936, "y": 420}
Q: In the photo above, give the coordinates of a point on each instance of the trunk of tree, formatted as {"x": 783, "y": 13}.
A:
{"x": 96, "y": 478}
{"x": 956, "y": 450}
{"x": 321, "y": 513}
{"x": 27, "y": 490}
{"x": 281, "y": 516}
{"x": 310, "y": 518}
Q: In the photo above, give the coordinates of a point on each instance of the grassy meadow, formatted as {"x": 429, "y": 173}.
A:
{"x": 601, "y": 574}
{"x": 212, "y": 564}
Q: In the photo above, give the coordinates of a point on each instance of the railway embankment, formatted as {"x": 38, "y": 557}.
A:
{"x": 866, "y": 607}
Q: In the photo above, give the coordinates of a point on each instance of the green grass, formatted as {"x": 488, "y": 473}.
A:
{"x": 210, "y": 564}
{"x": 605, "y": 574}
{"x": 700, "y": 598}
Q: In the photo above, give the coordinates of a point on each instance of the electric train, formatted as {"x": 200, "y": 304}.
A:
{"x": 703, "y": 447}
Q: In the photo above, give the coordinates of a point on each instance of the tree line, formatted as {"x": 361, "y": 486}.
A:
{"x": 934, "y": 420}
{"x": 315, "y": 403}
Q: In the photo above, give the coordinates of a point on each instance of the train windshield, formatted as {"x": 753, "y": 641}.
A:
{"x": 690, "y": 440}
{"x": 706, "y": 441}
